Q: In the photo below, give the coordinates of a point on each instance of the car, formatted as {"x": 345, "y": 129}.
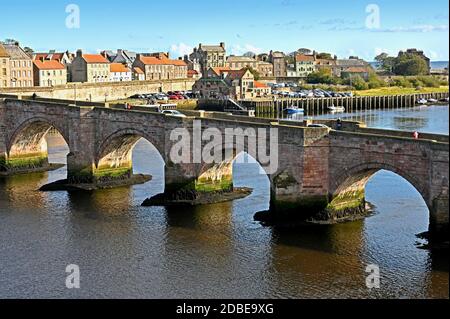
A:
{"x": 161, "y": 97}
{"x": 174, "y": 97}
{"x": 318, "y": 126}
{"x": 137, "y": 96}
{"x": 174, "y": 113}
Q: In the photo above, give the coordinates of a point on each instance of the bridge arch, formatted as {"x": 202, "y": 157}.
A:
{"x": 114, "y": 154}
{"x": 26, "y": 146}
{"x": 350, "y": 183}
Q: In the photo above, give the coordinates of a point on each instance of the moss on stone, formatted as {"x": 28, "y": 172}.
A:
{"x": 29, "y": 161}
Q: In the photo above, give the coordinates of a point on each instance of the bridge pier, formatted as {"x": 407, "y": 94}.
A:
{"x": 439, "y": 215}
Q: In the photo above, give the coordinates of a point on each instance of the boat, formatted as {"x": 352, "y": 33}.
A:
{"x": 422, "y": 101}
{"x": 432, "y": 101}
{"x": 336, "y": 109}
{"x": 294, "y": 110}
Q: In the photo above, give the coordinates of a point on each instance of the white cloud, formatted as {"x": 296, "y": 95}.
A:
{"x": 239, "y": 50}
{"x": 181, "y": 49}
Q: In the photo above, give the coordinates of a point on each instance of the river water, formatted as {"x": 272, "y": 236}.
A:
{"x": 215, "y": 251}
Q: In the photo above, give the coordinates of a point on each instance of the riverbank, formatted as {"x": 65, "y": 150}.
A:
{"x": 395, "y": 90}
{"x": 64, "y": 185}
{"x": 47, "y": 168}
{"x": 197, "y": 198}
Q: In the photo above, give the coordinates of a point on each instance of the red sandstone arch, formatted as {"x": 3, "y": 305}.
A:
{"x": 356, "y": 177}
{"x": 119, "y": 145}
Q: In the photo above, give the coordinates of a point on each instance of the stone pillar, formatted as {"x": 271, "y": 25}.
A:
{"x": 439, "y": 214}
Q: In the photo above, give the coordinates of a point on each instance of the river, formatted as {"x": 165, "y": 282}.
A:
{"x": 215, "y": 251}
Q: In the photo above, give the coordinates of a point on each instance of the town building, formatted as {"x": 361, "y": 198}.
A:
{"x": 5, "y": 76}
{"x": 304, "y": 65}
{"x": 355, "y": 71}
{"x": 65, "y": 58}
{"x": 138, "y": 74}
{"x": 121, "y": 56}
{"x": 217, "y": 72}
{"x": 49, "y": 72}
{"x": 193, "y": 63}
{"x": 209, "y": 56}
{"x": 21, "y": 66}
{"x": 235, "y": 84}
{"x": 119, "y": 73}
{"x": 265, "y": 69}
{"x": 240, "y": 62}
{"x": 90, "y": 68}
{"x": 342, "y": 65}
{"x": 278, "y": 59}
{"x": 193, "y": 74}
{"x": 159, "y": 66}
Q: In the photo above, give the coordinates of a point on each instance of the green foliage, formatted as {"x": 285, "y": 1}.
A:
{"x": 323, "y": 76}
{"x": 255, "y": 73}
{"x": 324, "y": 55}
{"x": 375, "y": 82}
{"x": 409, "y": 64}
{"x": 359, "y": 83}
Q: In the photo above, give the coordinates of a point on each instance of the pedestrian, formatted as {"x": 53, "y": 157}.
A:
{"x": 416, "y": 135}
{"x": 339, "y": 124}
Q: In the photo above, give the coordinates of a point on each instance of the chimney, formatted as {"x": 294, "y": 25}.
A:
{"x": 200, "y": 46}
{"x": 79, "y": 53}
{"x": 222, "y": 44}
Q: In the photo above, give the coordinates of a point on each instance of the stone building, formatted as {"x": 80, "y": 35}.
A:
{"x": 304, "y": 65}
{"x": 278, "y": 59}
{"x": 158, "y": 66}
{"x": 209, "y": 56}
{"x": 49, "y": 73}
{"x": 21, "y": 66}
{"x": 342, "y": 65}
{"x": 90, "y": 68}
{"x": 119, "y": 72}
{"x": 235, "y": 84}
{"x": 5, "y": 76}
{"x": 265, "y": 69}
{"x": 65, "y": 58}
{"x": 240, "y": 62}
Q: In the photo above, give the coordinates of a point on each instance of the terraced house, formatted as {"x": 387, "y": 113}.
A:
{"x": 159, "y": 66}
{"x": 21, "y": 66}
{"x": 49, "y": 73}
{"x": 4, "y": 68}
{"x": 90, "y": 68}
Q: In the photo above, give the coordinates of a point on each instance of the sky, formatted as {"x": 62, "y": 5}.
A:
{"x": 344, "y": 27}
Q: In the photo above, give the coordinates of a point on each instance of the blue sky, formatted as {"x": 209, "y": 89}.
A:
{"x": 258, "y": 25}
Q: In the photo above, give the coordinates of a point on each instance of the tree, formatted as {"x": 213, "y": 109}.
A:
{"x": 410, "y": 64}
{"x": 250, "y": 54}
{"x": 359, "y": 83}
{"x": 387, "y": 62}
{"x": 325, "y": 56}
{"x": 323, "y": 76}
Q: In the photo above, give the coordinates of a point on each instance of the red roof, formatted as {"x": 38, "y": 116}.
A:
{"x": 260, "y": 85}
{"x": 220, "y": 70}
{"x": 119, "y": 68}
{"x": 48, "y": 56}
{"x": 236, "y": 74}
{"x": 95, "y": 58}
{"x": 48, "y": 65}
{"x": 150, "y": 60}
{"x": 304, "y": 58}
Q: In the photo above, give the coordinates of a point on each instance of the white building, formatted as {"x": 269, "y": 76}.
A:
{"x": 119, "y": 73}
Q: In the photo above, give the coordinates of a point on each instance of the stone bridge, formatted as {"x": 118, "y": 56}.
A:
{"x": 319, "y": 173}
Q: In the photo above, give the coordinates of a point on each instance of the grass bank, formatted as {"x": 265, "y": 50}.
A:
{"x": 396, "y": 90}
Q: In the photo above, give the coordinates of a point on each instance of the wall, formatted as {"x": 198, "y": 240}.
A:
{"x": 99, "y": 92}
